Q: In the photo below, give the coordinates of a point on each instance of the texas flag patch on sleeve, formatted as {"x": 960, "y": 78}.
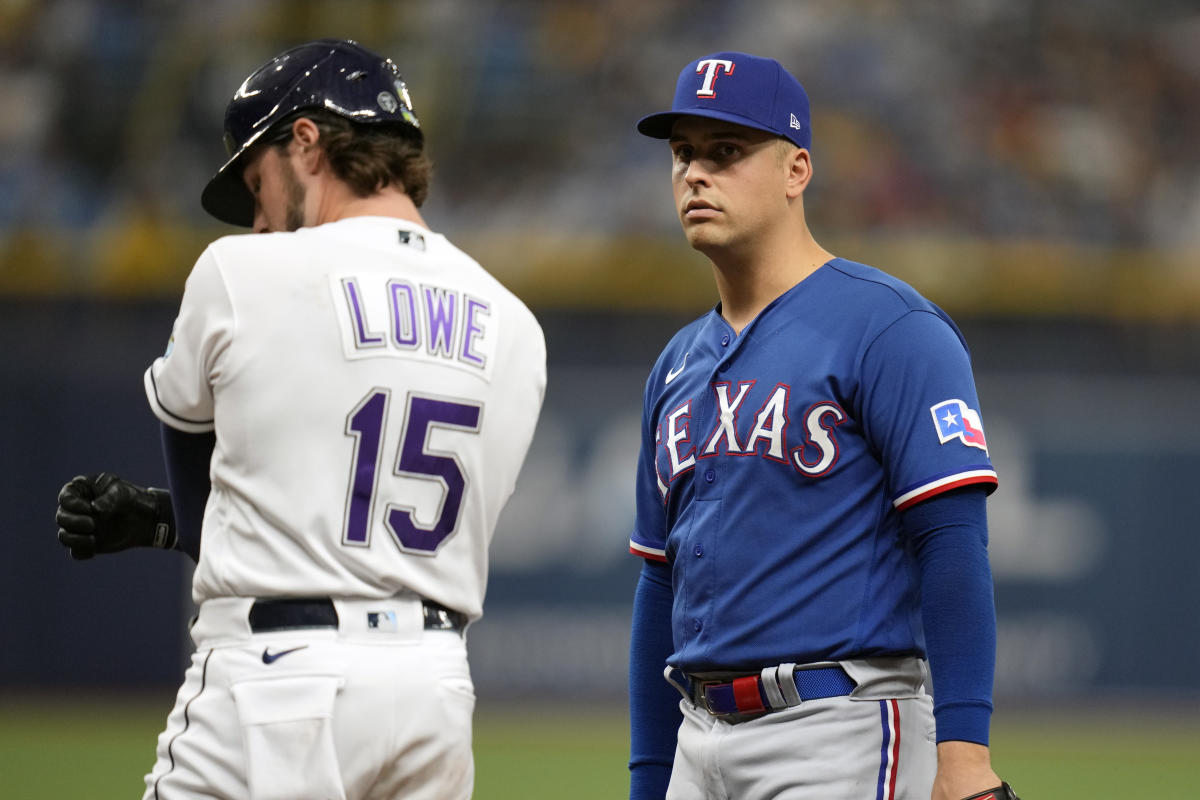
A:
{"x": 955, "y": 420}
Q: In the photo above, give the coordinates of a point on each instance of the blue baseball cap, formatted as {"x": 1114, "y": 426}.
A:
{"x": 738, "y": 87}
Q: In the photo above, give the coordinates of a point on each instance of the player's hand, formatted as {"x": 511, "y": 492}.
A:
{"x": 964, "y": 771}
{"x": 102, "y": 513}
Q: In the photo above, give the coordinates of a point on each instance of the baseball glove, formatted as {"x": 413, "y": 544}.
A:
{"x": 102, "y": 513}
{"x": 1001, "y": 792}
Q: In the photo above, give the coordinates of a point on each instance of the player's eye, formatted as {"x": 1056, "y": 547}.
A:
{"x": 724, "y": 150}
{"x": 682, "y": 152}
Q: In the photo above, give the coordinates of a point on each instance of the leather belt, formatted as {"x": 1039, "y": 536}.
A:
{"x": 290, "y": 613}
{"x": 771, "y": 689}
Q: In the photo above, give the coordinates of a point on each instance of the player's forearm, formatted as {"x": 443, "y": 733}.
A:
{"x": 187, "y": 457}
{"x": 961, "y": 645}
{"x": 957, "y": 610}
{"x": 653, "y": 705}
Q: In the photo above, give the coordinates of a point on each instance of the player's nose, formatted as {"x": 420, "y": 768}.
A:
{"x": 260, "y": 220}
{"x": 696, "y": 174}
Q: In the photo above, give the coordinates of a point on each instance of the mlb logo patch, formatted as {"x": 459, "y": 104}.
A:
{"x": 382, "y": 621}
{"x": 955, "y": 420}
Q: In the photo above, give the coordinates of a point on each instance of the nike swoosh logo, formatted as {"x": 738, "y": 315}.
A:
{"x": 271, "y": 658}
{"x": 674, "y": 373}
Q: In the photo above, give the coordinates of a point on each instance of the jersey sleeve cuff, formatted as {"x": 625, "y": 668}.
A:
{"x": 963, "y": 722}
{"x": 166, "y": 416}
{"x": 647, "y": 552}
{"x": 984, "y": 475}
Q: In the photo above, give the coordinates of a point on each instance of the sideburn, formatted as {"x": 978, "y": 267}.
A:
{"x": 294, "y": 216}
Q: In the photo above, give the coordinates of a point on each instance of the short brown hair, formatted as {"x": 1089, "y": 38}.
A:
{"x": 369, "y": 156}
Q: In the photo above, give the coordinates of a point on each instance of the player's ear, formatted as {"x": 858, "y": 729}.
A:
{"x": 306, "y": 135}
{"x": 798, "y": 163}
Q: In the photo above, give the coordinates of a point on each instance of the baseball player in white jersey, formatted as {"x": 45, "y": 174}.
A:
{"x": 346, "y": 402}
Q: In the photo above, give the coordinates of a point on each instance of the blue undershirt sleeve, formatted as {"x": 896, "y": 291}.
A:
{"x": 654, "y": 715}
{"x": 948, "y": 533}
{"x": 187, "y": 457}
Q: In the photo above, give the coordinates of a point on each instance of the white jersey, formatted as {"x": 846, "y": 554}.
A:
{"x": 373, "y": 391}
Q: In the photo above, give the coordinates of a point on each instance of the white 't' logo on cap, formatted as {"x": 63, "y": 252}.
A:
{"x": 711, "y": 67}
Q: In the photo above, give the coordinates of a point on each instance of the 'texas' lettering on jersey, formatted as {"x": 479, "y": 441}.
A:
{"x": 811, "y": 448}
{"x": 395, "y": 317}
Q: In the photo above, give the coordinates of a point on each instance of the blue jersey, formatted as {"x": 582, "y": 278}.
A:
{"x": 775, "y": 463}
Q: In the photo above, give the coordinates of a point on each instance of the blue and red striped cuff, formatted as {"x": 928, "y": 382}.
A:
{"x": 982, "y": 474}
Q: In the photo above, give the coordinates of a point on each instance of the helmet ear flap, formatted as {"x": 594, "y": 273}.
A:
{"x": 338, "y": 75}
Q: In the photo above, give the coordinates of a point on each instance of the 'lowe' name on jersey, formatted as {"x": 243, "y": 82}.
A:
{"x": 384, "y": 316}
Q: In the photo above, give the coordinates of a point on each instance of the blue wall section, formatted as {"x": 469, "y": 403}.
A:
{"x": 72, "y": 402}
{"x": 1093, "y": 429}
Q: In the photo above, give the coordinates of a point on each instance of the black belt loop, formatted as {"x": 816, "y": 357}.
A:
{"x": 440, "y": 618}
{"x": 289, "y": 613}
{"x": 295, "y": 613}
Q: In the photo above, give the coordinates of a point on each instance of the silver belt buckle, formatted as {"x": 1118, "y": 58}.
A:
{"x": 703, "y": 700}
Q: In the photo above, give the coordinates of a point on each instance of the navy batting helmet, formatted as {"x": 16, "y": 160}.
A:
{"x": 337, "y": 75}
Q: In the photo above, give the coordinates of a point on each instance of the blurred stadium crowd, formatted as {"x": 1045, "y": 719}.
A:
{"x": 999, "y": 119}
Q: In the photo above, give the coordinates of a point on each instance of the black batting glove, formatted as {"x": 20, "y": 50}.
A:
{"x": 102, "y": 513}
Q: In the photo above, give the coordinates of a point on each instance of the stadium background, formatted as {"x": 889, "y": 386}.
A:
{"x": 1031, "y": 166}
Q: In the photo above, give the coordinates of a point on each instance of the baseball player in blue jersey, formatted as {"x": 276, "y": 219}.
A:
{"x": 810, "y": 496}
{"x": 346, "y": 401}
